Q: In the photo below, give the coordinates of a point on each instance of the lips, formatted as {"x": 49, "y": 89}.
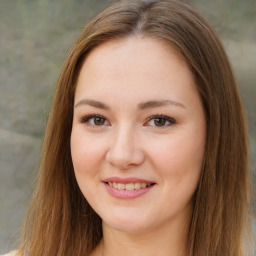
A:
{"x": 127, "y": 180}
{"x": 128, "y": 188}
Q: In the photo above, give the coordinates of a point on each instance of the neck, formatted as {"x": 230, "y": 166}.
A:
{"x": 166, "y": 240}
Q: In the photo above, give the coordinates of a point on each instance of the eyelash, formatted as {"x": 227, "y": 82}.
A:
{"x": 86, "y": 119}
{"x": 171, "y": 121}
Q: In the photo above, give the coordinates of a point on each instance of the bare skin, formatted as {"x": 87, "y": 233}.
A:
{"x": 138, "y": 115}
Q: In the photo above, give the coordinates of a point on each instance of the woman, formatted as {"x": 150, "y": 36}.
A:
{"x": 146, "y": 148}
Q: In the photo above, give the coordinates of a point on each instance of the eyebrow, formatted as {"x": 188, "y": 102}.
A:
{"x": 141, "y": 106}
{"x": 159, "y": 103}
{"x": 93, "y": 103}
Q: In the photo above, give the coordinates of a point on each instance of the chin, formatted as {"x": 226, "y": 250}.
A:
{"x": 128, "y": 226}
{"x": 128, "y": 223}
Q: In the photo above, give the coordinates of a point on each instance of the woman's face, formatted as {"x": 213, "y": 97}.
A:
{"x": 138, "y": 134}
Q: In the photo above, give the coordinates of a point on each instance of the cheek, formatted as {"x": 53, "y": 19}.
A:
{"x": 179, "y": 159}
{"x": 87, "y": 153}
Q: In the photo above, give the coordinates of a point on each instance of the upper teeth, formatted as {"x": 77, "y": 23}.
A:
{"x": 128, "y": 186}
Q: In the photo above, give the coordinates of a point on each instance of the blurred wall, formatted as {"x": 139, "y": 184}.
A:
{"x": 35, "y": 37}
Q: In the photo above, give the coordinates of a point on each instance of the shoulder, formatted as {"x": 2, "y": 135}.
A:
{"x": 12, "y": 253}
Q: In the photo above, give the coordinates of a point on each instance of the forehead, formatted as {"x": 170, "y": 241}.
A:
{"x": 120, "y": 51}
{"x": 134, "y": 66}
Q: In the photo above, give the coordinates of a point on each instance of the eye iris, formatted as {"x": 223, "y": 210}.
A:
{"x": 159, "y": 122}
{"x": 99, "y": 121}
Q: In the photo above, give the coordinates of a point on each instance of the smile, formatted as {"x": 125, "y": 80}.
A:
{"x": 129, "y": 186}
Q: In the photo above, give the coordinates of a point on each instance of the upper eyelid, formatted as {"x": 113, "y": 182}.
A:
{"x": 86, "y": 118}
{"x": 171, "y": 121}
{"x": 161, "y": 116}
{"x": 90, "y": 116}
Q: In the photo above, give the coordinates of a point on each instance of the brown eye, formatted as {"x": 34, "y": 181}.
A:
{"x": 99, "y": 121}
{"x": 160, "y": 122}
{"x": 94, "y": 120}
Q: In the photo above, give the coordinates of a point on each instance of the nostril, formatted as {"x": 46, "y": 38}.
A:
{"x": 125, "y": 158}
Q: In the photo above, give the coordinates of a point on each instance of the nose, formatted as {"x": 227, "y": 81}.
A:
{"x": 125, "y": 150}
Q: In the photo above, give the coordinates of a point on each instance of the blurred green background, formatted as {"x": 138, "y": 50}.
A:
{"x": 35, "y": 37}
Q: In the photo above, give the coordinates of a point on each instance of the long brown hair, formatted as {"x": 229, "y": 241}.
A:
{"x": 61, "y": 222}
